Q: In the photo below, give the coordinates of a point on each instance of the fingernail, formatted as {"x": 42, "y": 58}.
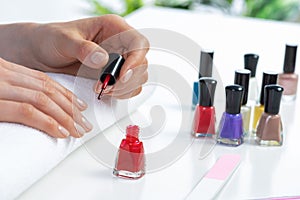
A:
{"x": 86, "y": 123}
{"x": 127, "y": 76}
{"x": 97, "y": 57}
{"x": 108, "y": 89}
{"x": 81, "y": 103}
{"x": 79, "y": 128}
{"x": 98, "y": 87}
{"x": 63, "y": 131}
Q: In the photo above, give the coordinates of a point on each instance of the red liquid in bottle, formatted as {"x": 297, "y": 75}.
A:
{"x": 204, "y": 121}
{"x": 130, "y": 162}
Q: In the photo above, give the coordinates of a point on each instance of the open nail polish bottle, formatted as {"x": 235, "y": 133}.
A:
{"x": 250, "y": 63}
{"x": 269, "y": 129}
{"x": 205, "y": 70}
{"x": 130, "y": 161}
{"x": 289, "y": 79}
{"x": 230, "y": 130}
{"x": 269, "y": 78}
{"x": 205, "y": 117}
{"x": 241, "y": 78}
{"x": 111, "y": 71}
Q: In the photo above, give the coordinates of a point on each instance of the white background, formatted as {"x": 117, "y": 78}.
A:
{"x": 264, "y": 171}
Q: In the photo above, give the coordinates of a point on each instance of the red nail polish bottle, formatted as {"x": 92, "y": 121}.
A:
{"x": 205, "y": 117}
{"x": 130, "y": 161}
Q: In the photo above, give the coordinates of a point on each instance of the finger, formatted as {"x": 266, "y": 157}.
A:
{"x": 87, "y": 52}
{"x": 36, "y": 80}
{"x": 76, "y": 125}
{"x": 138, "y": 69}
{"x": 28, "y": 115}
{"x": 135, "y": 54}
{"x": 139, "y": 77}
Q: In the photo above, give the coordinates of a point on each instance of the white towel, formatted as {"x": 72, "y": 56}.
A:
{"x": 27, "y": 154}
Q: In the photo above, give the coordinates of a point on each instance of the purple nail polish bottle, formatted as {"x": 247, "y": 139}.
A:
{"x": 231, "y": 125}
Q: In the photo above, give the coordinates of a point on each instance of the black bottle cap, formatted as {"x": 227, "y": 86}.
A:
{"x": 250, "y": 62}
{"x": 207, "y": 88}
{"x": 234, "y": 95}
{"x": 290, "y": 58}
{"x": 269, "y": 78}
{"x": 242, "y": 77}
{"x": 273, "y": 97}
{"x": 112, "y": 68}
{"x": 206, "y": 64}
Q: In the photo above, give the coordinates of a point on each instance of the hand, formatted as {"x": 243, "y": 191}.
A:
{"x": 64, "y": 47}
{"x": 32, "y": 98}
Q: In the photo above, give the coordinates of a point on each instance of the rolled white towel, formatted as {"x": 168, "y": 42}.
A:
{"x": 27, "y": 154}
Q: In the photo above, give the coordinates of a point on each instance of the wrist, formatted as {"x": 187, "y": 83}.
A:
{"x": 16, "y": 42}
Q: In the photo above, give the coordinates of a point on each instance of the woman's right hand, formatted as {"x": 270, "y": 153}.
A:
{"x": 32, "y": 98}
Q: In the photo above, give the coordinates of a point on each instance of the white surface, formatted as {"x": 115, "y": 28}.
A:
{"x": 27, "y": 154}
{"x": 215, "y": 179}
{"x": 206, "y": 189}
{"x": 264, "y": 171}
{"x": 43, "y": 11}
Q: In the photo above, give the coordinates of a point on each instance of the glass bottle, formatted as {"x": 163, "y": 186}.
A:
{"x": 250, "y": 63}
{"x": 231, "y": 125}
{"x": 289, "y": 79}
{"x": 269, "y": 77}
{"x": 269, "y": 129}
{"x": 205, "y": 70}
{"x": 205, "y": 116}
{"x": 242, "y": 77}
{"x": 130, "y": 161}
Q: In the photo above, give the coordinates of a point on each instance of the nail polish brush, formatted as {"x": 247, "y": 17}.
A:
{"x": 111, "y": 71}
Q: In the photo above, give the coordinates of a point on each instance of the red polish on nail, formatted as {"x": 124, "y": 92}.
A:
{"x": 205, "y": 117}
{"x": 130, "y": 161}
{"x": 111, "y": 71}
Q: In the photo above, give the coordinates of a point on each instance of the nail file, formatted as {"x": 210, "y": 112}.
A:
{"x": 214, "y": 180}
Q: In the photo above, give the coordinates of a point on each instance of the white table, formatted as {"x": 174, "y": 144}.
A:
{"x": 264, "y": 171}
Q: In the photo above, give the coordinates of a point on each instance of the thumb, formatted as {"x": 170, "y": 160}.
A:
{"x": 89, "y": 53}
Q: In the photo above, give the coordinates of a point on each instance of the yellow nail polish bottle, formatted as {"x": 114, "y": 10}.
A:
{"x": 269, "y": 77}
{"x": 258, "y": 110}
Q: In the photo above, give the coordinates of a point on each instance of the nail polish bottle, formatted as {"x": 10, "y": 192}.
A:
{"x": 242, "y": 77}
{"x": 269, "y": 129}
{"x": 130, "y": 161}
{"x": 289, "y": 79}
{"x": 111, "y": 71}
{"x": 205, "y": 117}
{"x": 205, "y": 70}
{"x": 250, "y": 63}
{"x": 269, "y": 78}
{"x": 231, "y": 125}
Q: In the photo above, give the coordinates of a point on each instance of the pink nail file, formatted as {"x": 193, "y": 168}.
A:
{"x": 210, "y": 185}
